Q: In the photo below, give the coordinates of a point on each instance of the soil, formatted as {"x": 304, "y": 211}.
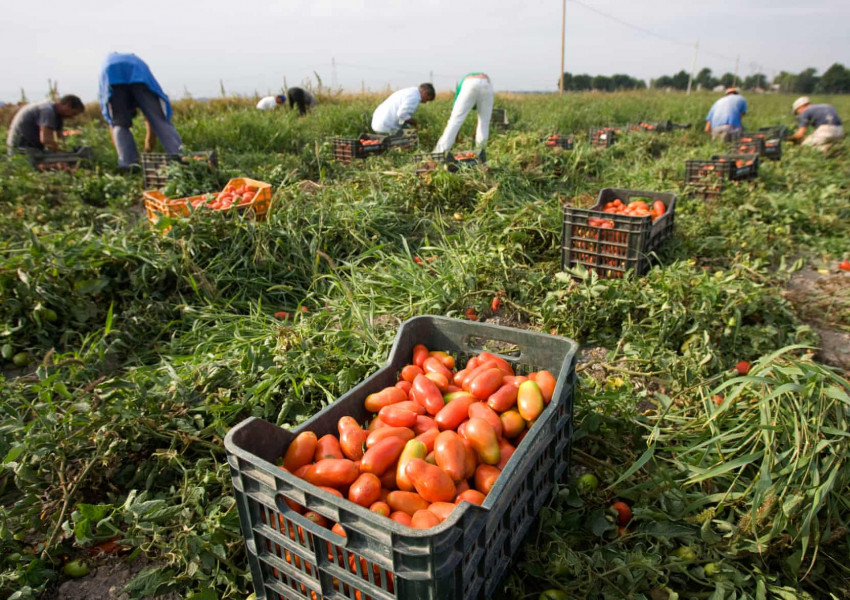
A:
{"x": 106, "y": 581}
{"x": 822, "y": 300}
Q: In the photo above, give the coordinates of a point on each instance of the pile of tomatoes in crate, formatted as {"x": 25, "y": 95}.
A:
{"x": 231, "y": 196}
{"x": 438, "y": 437}
{"x": 636, "y": 208}
{"x": 369, "y": 143}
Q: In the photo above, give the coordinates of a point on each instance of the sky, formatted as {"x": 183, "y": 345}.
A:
{"x": 253, "y": 46}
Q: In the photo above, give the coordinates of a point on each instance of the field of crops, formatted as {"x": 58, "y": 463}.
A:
{"x": 139, "y": 350}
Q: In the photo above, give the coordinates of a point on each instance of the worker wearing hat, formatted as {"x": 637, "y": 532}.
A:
{"x": 270, "y": 102}
{"x": 724, "y": 118}
{"x": 825, "y": 120}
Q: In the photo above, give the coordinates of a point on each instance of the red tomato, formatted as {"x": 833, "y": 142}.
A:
{"x": 420, "y": 353}
{"x": 439, "y": 380}
{"x": 482, "y": 437}
{"x": 391, "y": 395}
{"x": 382, "y": 455}
{"x": 450, "y": 454}
{"x": 352, "y": 438}
{"x": 471, "y": 496}
{"x": 401, "y": 517}
{"x": 381, "y": 508}
{"x": 433, "y": 364}
{"x": 379, "y": 435}
{"x": 396, "y": 416}
{"x": 332, "y": 472}
{"x": 504, "y": 398}
{"x": 431, "y": 482}
{"x": 300, "y": 451}
{"x": 410, "y": 372}
{"x": 455, "y": 412}
{"x": 546, "y": 382}
{"x": 426, "y": 393}
{"x": 447, "y": 359}
{"x": 327, "y": 447}
{"x": 485, "y": 478}
{"x": 486, "y": 383}
{"x": 404, "y": 386}
{"x": 512, "y": 423}
{"x": 624, "y": 513}
{"x": 441, "y": 509}
{"x": 482, "y": 411}
{"x": 743, "y": 367}
{"x": 506, "y": 450}
{"x": 495, "y": 304}
{"x": 424, "y": 519}
{"x": 365, "y": 490}
{"x": 407, "y": 502}
{"x": 423, "y": 424}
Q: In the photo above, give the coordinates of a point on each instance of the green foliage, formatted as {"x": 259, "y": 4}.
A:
{"x": 149, "y": 344}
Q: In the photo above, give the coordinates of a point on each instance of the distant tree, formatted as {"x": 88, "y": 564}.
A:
{"x": 568, "y": 80}
{"x": 727, "y": 79}
{"x": 807, "y": 81}
{"x": 835, "y": 80}
{"x": 680, "y": 80}
{"x": 705, "y": 79}
{"x": 582, "y": 82}
{"x": 602, "y": 83}
{"x": 640, "y": 84}
{"x": 665, "y": 81}
{"x": 786, "y": 81}
{"x": 758, "y": 80}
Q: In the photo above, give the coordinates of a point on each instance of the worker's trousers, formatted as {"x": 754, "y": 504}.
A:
{"x": 475, "y": 92}
{"x": 122, "y": 106}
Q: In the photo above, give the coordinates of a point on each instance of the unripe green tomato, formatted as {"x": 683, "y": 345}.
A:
{"x": 686, "y": 553}
{"x": 48, "y": 314}
{"x": 6, "y": 351}
{"x": 21, "y": 359}
{"x": 711, "y": 569}
{"x": 587, "y": 483}
{"x": 76, "y": 569}
{"x": 553, "y": 595}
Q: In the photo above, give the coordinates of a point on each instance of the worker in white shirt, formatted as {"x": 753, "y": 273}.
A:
{"x": 397, "y": 111}
{"x": 271, "y": 102}
{"x": 474, "y": 90}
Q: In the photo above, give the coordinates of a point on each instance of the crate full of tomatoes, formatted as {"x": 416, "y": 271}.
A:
{"x": 240, "y": 194}
{"x": 617, "y": 233}
{"x": 421, "y": 481}
{"x": 368, "y": 144}
{"x": 767, "y": 144}
{"x": 559, "y": 141}
{"x": 450, "y": 161}
{"x": 603, "y": 137}
{"x": 745, "y": 166}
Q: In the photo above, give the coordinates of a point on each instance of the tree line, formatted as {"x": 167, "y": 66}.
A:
{"x": 835, "y": 80}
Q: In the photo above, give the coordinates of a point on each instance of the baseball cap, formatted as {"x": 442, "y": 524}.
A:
{"x": 282, "y": 97}
{"x": 801, "y": 101}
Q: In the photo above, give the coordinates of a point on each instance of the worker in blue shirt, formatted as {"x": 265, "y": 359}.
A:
{"x": 127, "y": 85}
{"x": 724, "y": 118}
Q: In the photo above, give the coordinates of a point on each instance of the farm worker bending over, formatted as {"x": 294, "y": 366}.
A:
{"x": 271, "y": 102}
{"x": 724, "y": 118}
{"x": 474, "y": 90}
{"x": 397, "y": 111}
{"x": 127, "y": 85}
{"x": 825, "y": 120}
{"x": 302, "y": 98}
{"x": 36, "y": 127}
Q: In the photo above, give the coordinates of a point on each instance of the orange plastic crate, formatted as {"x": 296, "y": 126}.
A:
{"x": 157, "y": 205}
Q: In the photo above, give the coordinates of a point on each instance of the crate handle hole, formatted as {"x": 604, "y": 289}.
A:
{"x": 308, "y": 525}
{"x": 487, "y": 344}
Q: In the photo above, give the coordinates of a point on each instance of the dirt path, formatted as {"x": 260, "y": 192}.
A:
{"x": 822, "y": 300}
{"x": 105, "y": 582}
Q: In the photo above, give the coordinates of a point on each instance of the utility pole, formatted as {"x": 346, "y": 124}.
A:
{"x": 563, "y": 34}
{"x": 693, "y": 68}
{"x": 737, "y": 63}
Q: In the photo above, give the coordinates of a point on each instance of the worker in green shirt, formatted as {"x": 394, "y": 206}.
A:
{"x": 473, "y": 91}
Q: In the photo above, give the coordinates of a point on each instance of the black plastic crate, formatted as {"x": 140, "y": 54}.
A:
{"x": 707, "y": 178}
{"x": 780, "y": 132}
{"x": 744, "y": 166}
{"x": 406, "y": 139}
{"x": 499, "y": 119}
{"x": 81, "y": 156}
{"x": 464, "y": 557}
{"x": 749, "y": 144}
{"x": 768, "y": 144}
{"x": 368, "y": 144}
{"x": 153, "y": 162}
{"x": 611, "y": 251}
{"x": 451, "y": 161}
{"x": 602, "y": 137}
{"x": 559, "y": 141}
